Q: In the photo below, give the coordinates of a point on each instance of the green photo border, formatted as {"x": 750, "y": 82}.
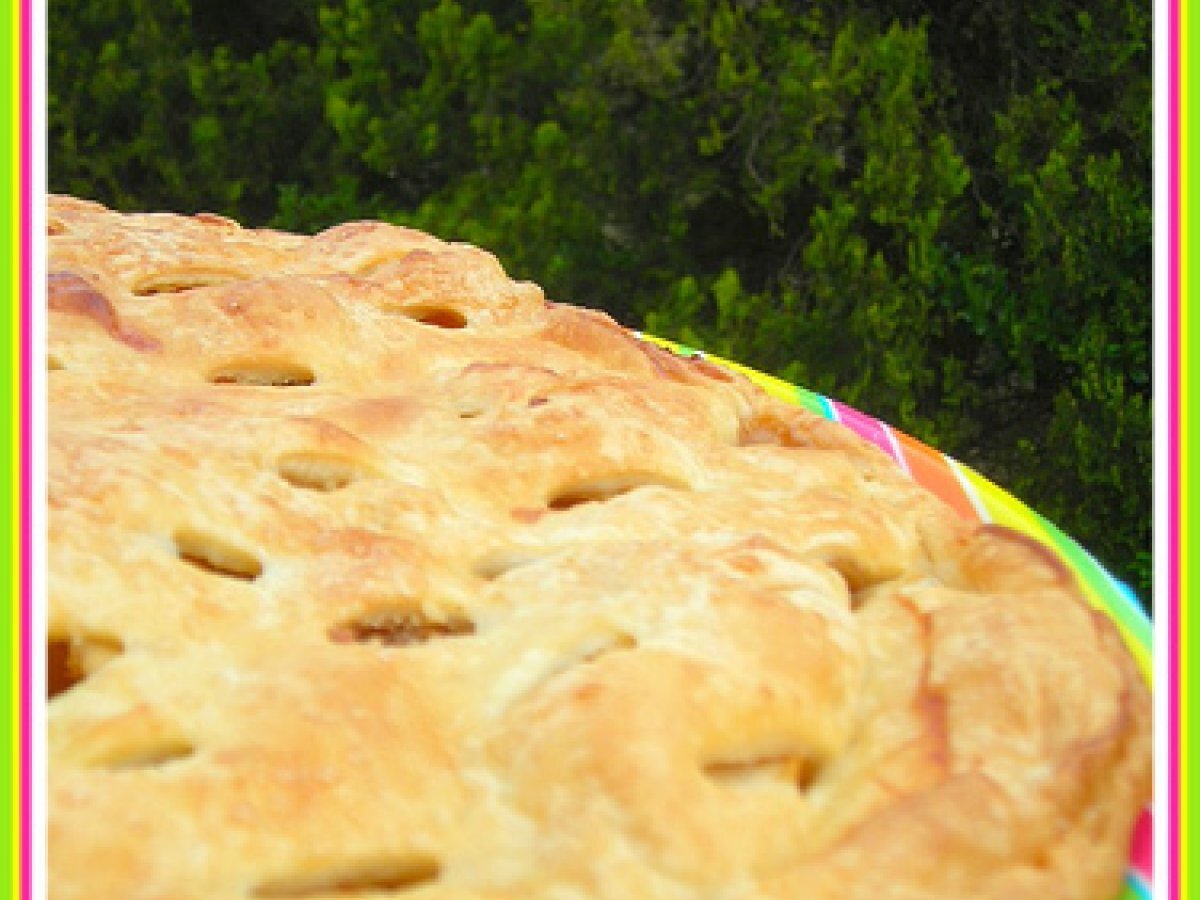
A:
{"x": 15, "y": 712}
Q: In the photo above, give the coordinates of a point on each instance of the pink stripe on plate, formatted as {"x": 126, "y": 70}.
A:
{"x": 865, "y": 427}
{"x": 1141, "y": 847}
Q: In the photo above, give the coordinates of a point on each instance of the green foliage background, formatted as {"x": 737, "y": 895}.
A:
{"x": 940, "y": 215}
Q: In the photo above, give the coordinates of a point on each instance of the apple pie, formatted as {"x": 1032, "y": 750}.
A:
{"x": 373, "y": 572}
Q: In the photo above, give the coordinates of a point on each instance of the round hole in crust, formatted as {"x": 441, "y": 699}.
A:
{"x": 149, "y": 755}
{"x": 368, "y": 876}
{"x": 498, "y": 564}
{"x": 263, "y": 373}
{"x": 599, "y": 490}
{"x": 798, "y": 770}
{"x": 212, "y": 554}
{"x": 445, "y": 317}
{"x": 399, "y": 626}
{"x": 324, "y": 472}
{"x": 72, "y": 658}
{"x": 177, "y": 283}
{"x": 473, "y": 411}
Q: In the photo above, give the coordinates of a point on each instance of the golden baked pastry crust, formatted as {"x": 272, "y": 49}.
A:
{"x": 372, "y": 572}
